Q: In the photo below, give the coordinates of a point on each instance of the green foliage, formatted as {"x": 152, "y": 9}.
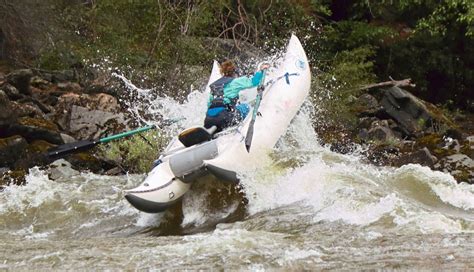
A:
{"x": 429, "y": 41}
{"x": 341, "y": 81}
{"x": 448, "y": 16}
{"x": 350, "y": 69}
{"x": 135, "y": 154}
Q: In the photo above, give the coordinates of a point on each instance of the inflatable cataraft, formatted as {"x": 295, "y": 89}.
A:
{"x": 198, "y": 151}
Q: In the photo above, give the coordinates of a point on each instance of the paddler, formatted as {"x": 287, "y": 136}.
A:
{"x": 224, "y": 110}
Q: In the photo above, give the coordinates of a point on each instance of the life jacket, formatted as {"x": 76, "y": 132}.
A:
{"x": 217, "y": 92}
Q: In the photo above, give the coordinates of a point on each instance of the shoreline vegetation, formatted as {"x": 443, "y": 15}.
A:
{"x": 394, "y": 77}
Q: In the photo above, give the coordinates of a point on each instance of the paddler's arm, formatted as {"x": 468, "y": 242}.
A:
{"x": 242, "y": 83}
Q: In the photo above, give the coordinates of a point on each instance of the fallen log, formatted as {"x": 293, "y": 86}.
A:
{"x": 392, "y": 83}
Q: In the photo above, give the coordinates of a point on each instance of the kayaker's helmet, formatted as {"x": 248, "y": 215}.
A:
{"x": 227, "y": 68}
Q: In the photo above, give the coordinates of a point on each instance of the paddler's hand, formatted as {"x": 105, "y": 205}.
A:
{"x": 264, "y": 66}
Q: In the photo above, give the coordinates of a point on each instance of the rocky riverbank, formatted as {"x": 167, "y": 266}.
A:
{"x": 395, "y": 128}
{"x": 41, "y": 110}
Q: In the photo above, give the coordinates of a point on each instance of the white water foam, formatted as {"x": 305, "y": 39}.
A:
{"x": 38, "y": 190}
{"x": 338, "y": 187}
{"x": 460, "y": 195}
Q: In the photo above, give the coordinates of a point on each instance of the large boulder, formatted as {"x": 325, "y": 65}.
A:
{"x": 21, "y": 80}
{"x": 89, "y": 124}
{"x": 86, "y": 116}
{"x": 413, "y": 115}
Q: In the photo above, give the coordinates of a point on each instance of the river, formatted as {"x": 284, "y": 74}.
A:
{"x": 305, "y": 208}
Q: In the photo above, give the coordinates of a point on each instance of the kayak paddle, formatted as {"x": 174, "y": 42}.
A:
{"x": 249, "y": 136}
{"x": 66, "y": 149}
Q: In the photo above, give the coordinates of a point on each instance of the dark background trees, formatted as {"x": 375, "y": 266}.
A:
{"x": 350, "y": 43}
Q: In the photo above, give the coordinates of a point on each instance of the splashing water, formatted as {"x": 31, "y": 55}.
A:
{"x": 308, "y": 208}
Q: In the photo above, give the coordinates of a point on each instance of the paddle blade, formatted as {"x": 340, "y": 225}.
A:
{"x": 66, "y": 149}
{"x": 249, "y": 136}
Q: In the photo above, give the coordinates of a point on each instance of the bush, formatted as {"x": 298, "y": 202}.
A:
{"x": 137, "y": 153}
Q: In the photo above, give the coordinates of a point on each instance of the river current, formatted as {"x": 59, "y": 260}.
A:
{"x": 304, "y": 208}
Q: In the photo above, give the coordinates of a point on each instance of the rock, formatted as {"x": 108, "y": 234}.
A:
{"x": 67, "y": 138}
{"x": 106, "y": 102}
{"x": 455, "y": 161}
{"x": 11, "y": 92}
{"x": 35, "y": 154}
{"x": 459, "y": 165}
{"x": 3, "y": 170}
{"x": 99, "y": 84}
{"x": 88, "y": 116}
{"x": 408, "y": 111}
{"x": 366, "y": 105}
{"x": 453, "y": 145}
{"x": 11, "y": 149}
{"x": 41, "y": 106}
{"x": 453, "y": 133}
{"x": 91, "y": 124}
{"x": 363, "y": 134}
{"x": 85, "y": 161}
{"x": 342, "y": 147}
{"x": 422, "y": 157}
{"x": 381, "y": 133}
{"x": 379, "y": 123}
{"x": 7, "y": 115}
{"x": 70, "y": 87}
{"x": 16, "y": 177}
{"x": 61, "y": 169}
{"x": 27, "y": 110}
{"x": 114, "y": 171}
{"x": 39, "y": 82}
{"x": 63, "y": 76}
{"x": 21, "y": 80}
{"x": 36, "y": 129}
{"x": 382, "y": 154}
{"x": 366, "y": 122}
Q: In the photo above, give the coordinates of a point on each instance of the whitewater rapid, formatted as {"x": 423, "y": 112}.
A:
{"x": 305, "y": 207}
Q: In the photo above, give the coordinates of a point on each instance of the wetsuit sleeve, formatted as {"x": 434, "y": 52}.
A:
{"x": 244, "y": 82}
{"x": 232, "y": 89}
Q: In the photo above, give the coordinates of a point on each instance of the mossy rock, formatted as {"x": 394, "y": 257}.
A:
{"x": 468, "y": 150}
{"x": 38, "y": 123}
{"x": 35, "y": 155}
{"x": 39, "y": 146}
{"x": 431, "y": 141}
{"x": 17, "y": 177}
{"x": 463, "y": 175}
{"x": 11, "y": 150}
{"x": 439, "y": 116}
{"x": 87, "y": 161}
{"x": 36, "y": 129}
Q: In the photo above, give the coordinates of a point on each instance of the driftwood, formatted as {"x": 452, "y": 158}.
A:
{"x": 392, "y": 83}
